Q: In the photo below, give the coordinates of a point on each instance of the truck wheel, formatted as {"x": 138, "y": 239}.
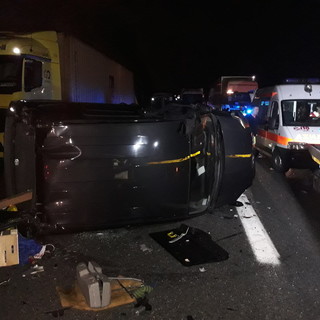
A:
{"x": 279, "y": 160}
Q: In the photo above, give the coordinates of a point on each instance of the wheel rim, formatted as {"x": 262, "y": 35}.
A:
{"x": 278, "y": 161}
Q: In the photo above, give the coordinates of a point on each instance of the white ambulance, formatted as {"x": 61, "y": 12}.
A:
{"x": 289, "y": 121}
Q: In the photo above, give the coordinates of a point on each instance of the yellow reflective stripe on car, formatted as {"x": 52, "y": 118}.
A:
{"x": 176, "y": 160}
{"x": 315, "y": 159}
{"x": 248, "y": 155}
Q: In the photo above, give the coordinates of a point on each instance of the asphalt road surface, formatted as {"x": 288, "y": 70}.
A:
{"x": 284, "y": 286}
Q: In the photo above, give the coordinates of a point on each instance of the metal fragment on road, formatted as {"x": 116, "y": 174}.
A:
{"x": 5, "y": 281}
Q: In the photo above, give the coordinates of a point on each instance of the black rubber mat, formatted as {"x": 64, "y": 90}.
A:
{"x": 190, "y": 246}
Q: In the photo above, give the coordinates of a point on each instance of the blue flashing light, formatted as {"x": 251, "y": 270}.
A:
{"x": 302, "y": 80}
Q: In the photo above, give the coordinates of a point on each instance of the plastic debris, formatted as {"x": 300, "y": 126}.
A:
{"x": 47, "y": 248}
{"x": 94, "y": 285}
{"x": 142, "y": 305}
{"x": 36, "y": 269}
{"x": 144, "y": 248}
{"x": 238, "y": 204}
{"x": 202, "y": 269}
{"x": 139, "y": 310}
{"x": 5, "y": 281}
{"x": 27, "y": 248}
{"x": 142, "y": 292}
{"x": 227, "y": 216}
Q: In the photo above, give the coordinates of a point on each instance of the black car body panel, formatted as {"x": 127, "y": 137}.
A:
{"x": 97, "y": 166}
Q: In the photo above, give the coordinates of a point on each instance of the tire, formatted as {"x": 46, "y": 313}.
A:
{"x": 279, "y": 160}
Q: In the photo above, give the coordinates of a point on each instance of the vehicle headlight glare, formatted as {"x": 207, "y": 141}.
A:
{"x": 16, "y": 50}
{"x": 297, "y": 145}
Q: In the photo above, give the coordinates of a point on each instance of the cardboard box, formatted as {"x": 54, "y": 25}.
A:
{"x": 9, "y": 248}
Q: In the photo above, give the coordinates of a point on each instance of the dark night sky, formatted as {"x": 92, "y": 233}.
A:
{"x": 173, "y": 44}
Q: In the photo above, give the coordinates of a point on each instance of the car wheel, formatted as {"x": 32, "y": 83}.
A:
{"x": 279, "y": 160}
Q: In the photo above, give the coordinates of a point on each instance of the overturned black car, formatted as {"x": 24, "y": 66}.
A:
{"x": 99, "y": 166}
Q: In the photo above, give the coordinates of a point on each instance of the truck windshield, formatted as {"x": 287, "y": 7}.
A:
{"x": 301, "y": 113}
{"x": 192, "y": 98}
{"x": 240, "y": 97}
{"x": 10, "y": 74}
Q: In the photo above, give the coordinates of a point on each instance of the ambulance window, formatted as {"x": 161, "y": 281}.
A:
{"x": 275, "y": 113}
{"x": 275, "y": 108}
{"x": 288, "y": 112}
{"x": 263, "y": 111}
{"x": 32, "y": 74}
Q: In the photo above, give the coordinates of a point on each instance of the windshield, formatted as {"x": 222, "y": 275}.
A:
{"x": 301, "y": 113}
{"x": 241, "y": 97}
{"x": 10, "y": 74}
{"x": 192, "y": 98}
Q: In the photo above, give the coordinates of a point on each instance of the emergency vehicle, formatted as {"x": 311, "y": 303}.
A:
{"x": 289, "y": 122}
{"x": 234, "y": 93}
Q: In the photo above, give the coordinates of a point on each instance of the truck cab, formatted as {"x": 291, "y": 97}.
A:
{"x": 27, "y": 65}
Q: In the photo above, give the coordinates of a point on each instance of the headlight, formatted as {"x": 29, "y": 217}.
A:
{"x": 297, "y": 145}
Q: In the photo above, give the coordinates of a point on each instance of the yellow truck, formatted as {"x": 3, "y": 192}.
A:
{"x": 49, "y": 65}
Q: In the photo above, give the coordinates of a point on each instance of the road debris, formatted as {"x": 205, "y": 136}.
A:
{"x": 230, "y": 236}
{"x": 58, "y": 313}
{"x": 37, "y": 269}
{"x": 238, "y": 204}
{"x": 5, "y": 281}
{"x": 33, "y": 270}
{"x": 144, "y": 248}
{"x": 199, "y": 249}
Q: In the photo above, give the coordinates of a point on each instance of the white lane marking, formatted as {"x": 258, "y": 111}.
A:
{"x": 261, "y": 244}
